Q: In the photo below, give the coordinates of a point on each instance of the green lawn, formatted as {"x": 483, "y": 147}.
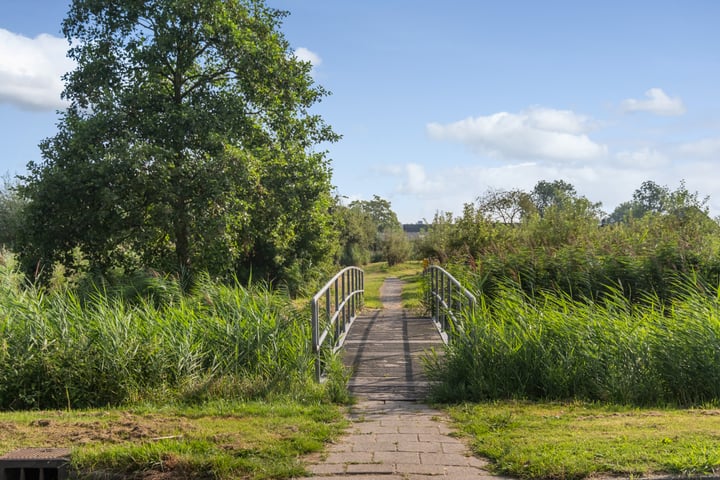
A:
{"x": 575, "y": 440}
{"x": 221, "y": 440}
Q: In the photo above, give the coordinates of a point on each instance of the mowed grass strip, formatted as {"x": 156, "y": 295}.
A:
{"x": 218, "y": 440}
{"x": 575, "y": 440}
{"x": 409, "y": 272}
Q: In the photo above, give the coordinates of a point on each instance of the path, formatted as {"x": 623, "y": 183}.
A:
{"x": 392, "y": 435}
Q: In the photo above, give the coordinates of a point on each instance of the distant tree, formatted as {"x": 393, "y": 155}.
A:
{"x": 357, "y": 232}
{"x": 436, "y": 242}
{"x": 188, "y": 144}
{"x": 380, "y": 210}
{"x": 622, "y": 212}
{"x": 389, "y": 238}
{"x": 396, "y": 247}
{"x": 650, "y": 198}
{"x": 506, "y": 206}
{"x": 11, "y": 214}
{"x": 546, "y": 194}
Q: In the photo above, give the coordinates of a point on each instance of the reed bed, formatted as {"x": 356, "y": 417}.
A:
{"x": 63, "y": 349}
{"x": 552, "y": 347}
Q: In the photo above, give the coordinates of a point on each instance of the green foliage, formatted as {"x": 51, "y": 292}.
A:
{"x": 569, "y": 249}
{"x": 188, "y": 146}
{"x": 550, "y": 346}
{"x": 371, "y": 231}
{"x": 11, "y": 214}
{"x": 380, "y": 211}
{"x": 357, "y": 235}
{"x": 396, "y": 247}
{"x": 144, "y": 339}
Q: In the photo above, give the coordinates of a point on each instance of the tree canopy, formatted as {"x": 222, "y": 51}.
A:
{"x": 188, "y": 144}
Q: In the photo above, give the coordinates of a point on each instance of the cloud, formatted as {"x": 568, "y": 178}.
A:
{"x": 306, "y": 55}
{"x": 537, "y": 133}
{"x": 646, "y": 158}
{"x": 31, "y": 70}
{"x": 657, "y": 102}
{"x": 417, "y": 182}
{"x": 705, "y": 148}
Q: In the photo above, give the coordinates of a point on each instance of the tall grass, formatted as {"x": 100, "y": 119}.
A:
{"x": 61, "y": 349}
{"x": 551, "y": 346}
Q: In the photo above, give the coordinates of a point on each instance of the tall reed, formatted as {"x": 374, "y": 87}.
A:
{"x": 59, "y": 349}
{"x": 551, "y": 346}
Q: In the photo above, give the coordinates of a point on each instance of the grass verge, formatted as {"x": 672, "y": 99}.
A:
{"x": 218, "y": 440}
{"x": 575, "y": 440}
{"x": 408, "y": 272}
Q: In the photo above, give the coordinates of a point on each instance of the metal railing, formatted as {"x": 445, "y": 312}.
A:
{"x": 334, "y": 308}
{"x": 448, "y": 299}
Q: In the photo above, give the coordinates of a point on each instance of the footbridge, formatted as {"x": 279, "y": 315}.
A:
{"x": 383, "y": 348}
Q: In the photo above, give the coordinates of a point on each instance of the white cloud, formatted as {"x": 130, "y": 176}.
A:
{"x": 537, "y": 133}
{"x": 705, "y": 148}
{"x": 657, "y": 102}
{"x": 645, "y": 158}
{"x": 306, "y": 55}
{"x": 31, "y": 70}
{"x": 417, "y": 182}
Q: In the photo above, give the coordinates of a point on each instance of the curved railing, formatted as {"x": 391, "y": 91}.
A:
{"x": 448, "y": 299}
{"x": 334, "y": 308}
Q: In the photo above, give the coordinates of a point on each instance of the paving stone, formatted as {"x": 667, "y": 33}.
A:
{"x": 396, "y": 457}
{"x": 426, "y": 447}
{"x": 371, "y": 468}
{"x": 469, "y": 473}
{"x": 364, "y": 477}
{"x": 417, "y": 429}
{"x": 375, "y": 447}
{"x": 453, "y": 447}
{"x": 373, "y": 428}
{"x": 414, "y": 468}
{"x": 327, "y": 469}
{"x": 397, "y": 437}
{"x": 451, "y": 459}
{"x": 349, "y": 457}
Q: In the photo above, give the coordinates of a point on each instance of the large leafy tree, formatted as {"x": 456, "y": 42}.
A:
{"x": 188, "y": 144}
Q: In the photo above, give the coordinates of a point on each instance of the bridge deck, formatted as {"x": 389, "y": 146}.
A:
{"x": 384, "y": 350}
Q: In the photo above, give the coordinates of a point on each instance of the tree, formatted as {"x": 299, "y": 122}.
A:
{"x": 506, "y": 206}
{"x": 357, "y": 235}
{"x": 11, "y": 214}
{"x": 546, "y": 194}
{"x": 386, "y": 224}
{"x": 380, "y": 210}
{"x": 187, "y": 145}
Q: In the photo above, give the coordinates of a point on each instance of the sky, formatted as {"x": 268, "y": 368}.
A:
{"x": 439, "y": 102}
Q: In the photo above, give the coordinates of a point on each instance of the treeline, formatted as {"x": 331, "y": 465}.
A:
{"x": 552, "y": 239}
{"x": 357, "y": 233}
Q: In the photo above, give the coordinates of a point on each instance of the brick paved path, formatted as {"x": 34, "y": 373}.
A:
{"x": 393, "y": 435}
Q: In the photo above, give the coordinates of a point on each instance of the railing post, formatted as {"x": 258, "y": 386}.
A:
{"x": 315, "y": 337}
{"x": 342, "y": 295}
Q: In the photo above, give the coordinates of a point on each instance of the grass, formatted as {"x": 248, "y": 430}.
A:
{"x": 218, "y": 440}
{"x": 62, "y": 349}
{"x": 575, "y": 440}
{"x": 408, "y": 272}
{"x": 552, "y": 347}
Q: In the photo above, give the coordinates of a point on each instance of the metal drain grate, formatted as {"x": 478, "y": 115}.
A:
{"x": 35, "y": 464}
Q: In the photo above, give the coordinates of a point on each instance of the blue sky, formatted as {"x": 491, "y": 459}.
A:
{"x": 438, "y": 102}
